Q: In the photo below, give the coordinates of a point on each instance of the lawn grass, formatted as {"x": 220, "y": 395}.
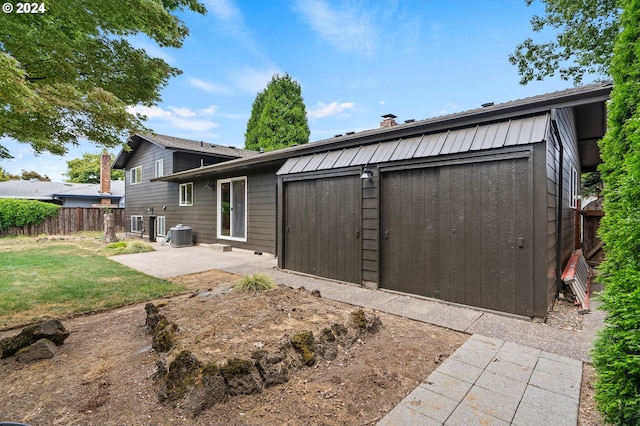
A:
{"x": 55, "y": 279}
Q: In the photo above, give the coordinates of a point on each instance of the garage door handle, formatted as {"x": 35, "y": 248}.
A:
{"x": 386, "y": 235}
{"x": 357, "y": 233}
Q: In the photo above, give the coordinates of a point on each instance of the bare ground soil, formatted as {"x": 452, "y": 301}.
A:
{"x": 102, "y": 375}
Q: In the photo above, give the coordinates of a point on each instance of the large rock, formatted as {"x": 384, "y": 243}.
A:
{"x": 42, "y": 349}
{"x": 271, "y": 367}
{"x": 210, "y": 390}
{"x": 242, "y": 377}
{"x": 52, "y": 330}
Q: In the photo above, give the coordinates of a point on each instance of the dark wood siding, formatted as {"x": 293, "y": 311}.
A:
{"x": 453, "y": 232}
{"x": 322, "y": 226}
{"x": 261, "y": 211}
{"x": 370, "y": 230}
{"x": 142, "y": 197}
{"x": 162, "y": 199}
{"x": 566, "y": 127}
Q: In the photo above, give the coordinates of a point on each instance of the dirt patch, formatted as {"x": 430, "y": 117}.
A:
{"x": 102, "y": 375}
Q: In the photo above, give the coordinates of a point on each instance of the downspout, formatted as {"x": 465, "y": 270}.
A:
{"x": 556, "y": 132}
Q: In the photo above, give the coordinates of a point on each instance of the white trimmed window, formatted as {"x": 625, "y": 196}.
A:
{"x": 137, "y": 224}
{"x": 232, "y": 209}
{"x": 161, "y": 226}
{"x": 574, "y": 188}
{"x": 186, "y": 194}
{"x": 135, "y": 175}
{"x": 159, "y": 168}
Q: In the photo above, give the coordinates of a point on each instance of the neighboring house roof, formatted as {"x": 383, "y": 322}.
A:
{"x": 589, "y": 101}
{"x": 181, "y": 145}
{"x": 49, "y": 191}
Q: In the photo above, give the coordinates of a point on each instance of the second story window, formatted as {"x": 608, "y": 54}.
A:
{"x": 186, "y": 194}
{"x": 135, "y": 175}
{"x": 159, "y": 167}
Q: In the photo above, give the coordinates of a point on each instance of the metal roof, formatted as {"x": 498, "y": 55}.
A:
{"x": 520, "y": 131}
{"x": 588, "y": 102}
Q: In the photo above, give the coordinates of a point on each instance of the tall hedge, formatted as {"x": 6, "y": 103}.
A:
{"x": 616, "y": 352}
{"x": 25, "y": 212}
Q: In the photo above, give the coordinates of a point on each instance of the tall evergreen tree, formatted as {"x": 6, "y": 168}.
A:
{"x": 617, "y": 350}
{"x": 278, "y": 116}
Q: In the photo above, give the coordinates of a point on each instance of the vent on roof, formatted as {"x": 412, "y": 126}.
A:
{"x": 350, "y": 133}
{"x": 232, "y": 147}
{"x": 337, "y": 136}
{"x": 411, "y": 120}
{"x": 488, "y": 104}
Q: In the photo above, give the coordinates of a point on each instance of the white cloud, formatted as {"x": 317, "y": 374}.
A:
{"x": 251, "y": 80}
{"x": 149, "y": 112}
{"x": 210, "y": 110}
{"x": 209, "y": 87}
{"x": 325, "y": 110}
{"x": 347, "y": 29}
{"x": 230, "y": 23}
{"x": 183, "y": 112}
{"x": 177, "y": 118}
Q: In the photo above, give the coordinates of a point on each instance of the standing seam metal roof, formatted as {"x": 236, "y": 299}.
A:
{"x": 521, "y": 131}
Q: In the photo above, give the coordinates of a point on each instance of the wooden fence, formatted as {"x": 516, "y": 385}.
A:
{"x": 69, "y": 221}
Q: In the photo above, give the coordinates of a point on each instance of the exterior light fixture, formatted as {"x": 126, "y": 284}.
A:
{"x": 367, "y": 173}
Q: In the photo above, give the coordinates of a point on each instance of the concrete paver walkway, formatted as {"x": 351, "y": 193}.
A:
{"x": 510, "y": 371}
{"x": 492, "y": 382}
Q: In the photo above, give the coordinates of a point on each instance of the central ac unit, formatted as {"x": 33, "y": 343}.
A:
{"x": 181, "y": 236}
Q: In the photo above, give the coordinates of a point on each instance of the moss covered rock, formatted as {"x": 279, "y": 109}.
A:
{"x": 304, "y": 343}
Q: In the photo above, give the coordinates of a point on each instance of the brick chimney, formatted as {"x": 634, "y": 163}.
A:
{"x": 388, "y": 120}
{"x": 105, "y": 177}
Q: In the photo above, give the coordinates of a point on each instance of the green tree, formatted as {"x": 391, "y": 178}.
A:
{"x": 5, "y": 176}
{"x": 616, "y": 353}
{"x": 31, "y": 175}
{"x": 585, "y": 33}
{"x": 87, "y": 169}
{"x": 278, "y": 116}
{"x": 69, "y": 73}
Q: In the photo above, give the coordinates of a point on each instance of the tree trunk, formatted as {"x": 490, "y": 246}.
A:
{"x": 109, "y": 228}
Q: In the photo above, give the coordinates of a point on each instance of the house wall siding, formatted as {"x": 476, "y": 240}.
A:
{"x": 370, "y": 228}
{"x": 142, "y": 197}
{"x": 568, "y": 138}
{"x": 202, "y": 216}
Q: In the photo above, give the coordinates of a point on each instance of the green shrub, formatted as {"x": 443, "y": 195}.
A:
{"x": 255, "y": 282}
{"x": 25, "y": 212}
{"x": 616, "y": 354}
{"x": 127, "y": 247}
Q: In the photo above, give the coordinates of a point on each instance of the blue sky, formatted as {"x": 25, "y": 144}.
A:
{"x": 355, "y": 61}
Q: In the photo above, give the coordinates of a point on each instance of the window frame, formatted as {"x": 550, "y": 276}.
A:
{"x": 231, "y": 216}
{"x": 136, "y": 219}
{"x": 182, "y": 201}
{"x": 135, "y": 175}
{"x": 163, "y": 220}
{"x": 158, "y": 167}
{"x": 574, "y": 187}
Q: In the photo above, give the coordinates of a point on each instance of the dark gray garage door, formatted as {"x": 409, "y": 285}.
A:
{"x": 459, "y": 233}
{"x": 322, "y": 227}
